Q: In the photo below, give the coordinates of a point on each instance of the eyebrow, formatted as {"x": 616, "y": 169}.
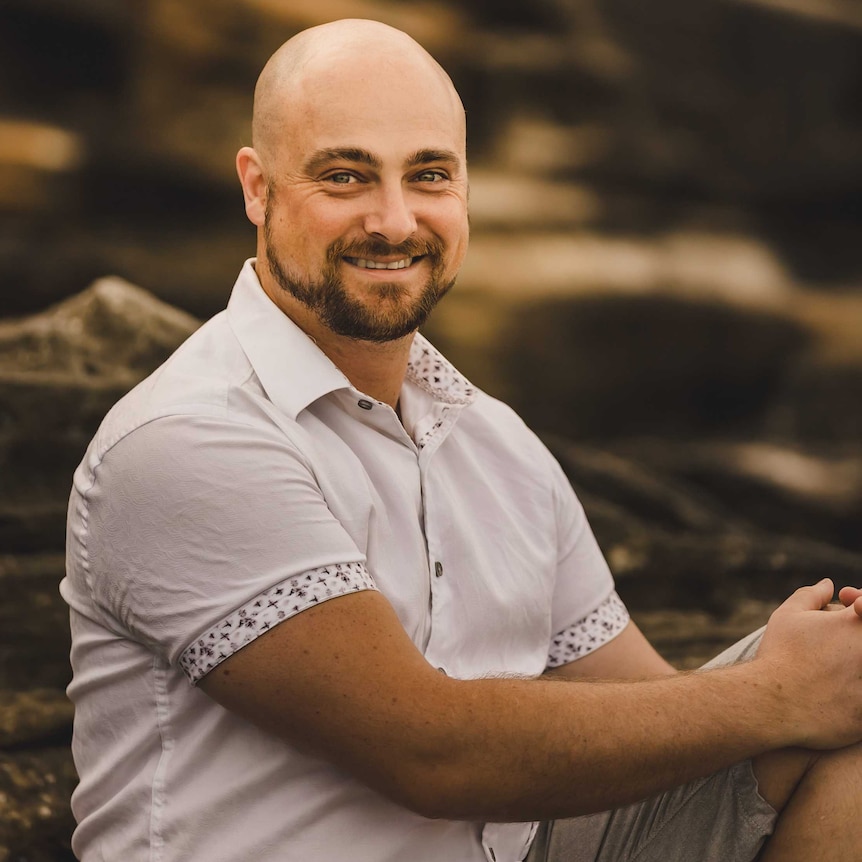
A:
{"x": 424, "y": 157}
{"x": 321, "y": 158}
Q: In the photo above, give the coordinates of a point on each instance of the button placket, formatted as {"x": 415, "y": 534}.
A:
{"x": 440, "y": 592}
{"x": 377, "y": 415}
{"x": 435, "y": 433}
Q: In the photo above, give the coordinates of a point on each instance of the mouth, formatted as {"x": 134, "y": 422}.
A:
{"x": 365, "y": 263}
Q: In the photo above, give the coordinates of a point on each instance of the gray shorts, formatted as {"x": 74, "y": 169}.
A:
{"x": 721, "y": 818}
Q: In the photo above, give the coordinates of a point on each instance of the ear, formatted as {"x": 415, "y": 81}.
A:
{"x": 253, "y": 182}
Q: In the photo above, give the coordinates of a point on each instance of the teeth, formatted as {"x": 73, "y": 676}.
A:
{"x": 374, "y": 264}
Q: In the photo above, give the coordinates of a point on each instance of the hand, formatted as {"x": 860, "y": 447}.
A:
{"x": 851, "y": 597}
{"x": 814, "y": 662}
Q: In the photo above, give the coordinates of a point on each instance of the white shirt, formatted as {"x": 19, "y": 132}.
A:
{"x": 246, "y": 480}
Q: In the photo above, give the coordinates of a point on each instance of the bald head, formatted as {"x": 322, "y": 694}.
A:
{"x": 334, "y": 57}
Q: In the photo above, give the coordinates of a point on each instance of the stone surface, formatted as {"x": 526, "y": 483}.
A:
{"x": 643, "y": 121}
{"x": 783, "y": 489}
{"x": 609, "y": 366}
{"x": 60, "y": 372}
{"x": 34, "y": 717}
{"x": 35, "y": 819}
{"x": 112, "y": 330}
{"x": 675, "y": 547}
{"x": 34, "y": 623}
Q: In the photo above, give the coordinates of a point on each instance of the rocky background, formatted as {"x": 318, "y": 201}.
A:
{"x": 664, "y": 279}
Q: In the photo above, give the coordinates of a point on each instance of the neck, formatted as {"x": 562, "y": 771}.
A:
{"x": 376, "y": 369}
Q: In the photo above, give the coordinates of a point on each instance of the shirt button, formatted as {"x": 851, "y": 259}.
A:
{"x": 438, "y": 568}
{"x": 365, "y": 405}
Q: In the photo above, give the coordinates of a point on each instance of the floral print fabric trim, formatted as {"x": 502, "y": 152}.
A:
{"x": 589, "y": 633}
{"x": 431, "y": 370}
{"x": 268, "y": 609}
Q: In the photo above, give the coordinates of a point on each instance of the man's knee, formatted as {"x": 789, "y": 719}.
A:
{"x": 780, "y": 773}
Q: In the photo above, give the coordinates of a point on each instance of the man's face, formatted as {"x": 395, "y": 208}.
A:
{"x": 366, "y": 212}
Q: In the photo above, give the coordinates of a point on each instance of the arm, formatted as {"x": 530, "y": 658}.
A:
{"x": 343, "y": 680}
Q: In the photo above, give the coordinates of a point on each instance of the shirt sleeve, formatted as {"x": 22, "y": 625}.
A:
{"x": 586, "y": 610}
{"x": 589, "y": 633}
{"x": 204, "y": 533}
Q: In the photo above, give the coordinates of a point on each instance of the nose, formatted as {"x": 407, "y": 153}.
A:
{"x": 390, "y": 217}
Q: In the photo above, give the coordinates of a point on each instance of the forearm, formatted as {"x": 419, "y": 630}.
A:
{"x": 342, "y": 680}
{"x": 524, "y": 750}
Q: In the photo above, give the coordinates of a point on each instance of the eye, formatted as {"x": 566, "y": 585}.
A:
{"x": 432, "y": 176}
{"x": 342, "y": 178}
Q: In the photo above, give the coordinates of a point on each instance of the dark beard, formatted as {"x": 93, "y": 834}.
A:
{"x": 392, "y": 317}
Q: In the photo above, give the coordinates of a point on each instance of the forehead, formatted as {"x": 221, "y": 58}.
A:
{"x": 391, "y": 107}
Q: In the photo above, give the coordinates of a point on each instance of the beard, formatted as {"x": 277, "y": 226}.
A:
{"x": 390, "y": 312}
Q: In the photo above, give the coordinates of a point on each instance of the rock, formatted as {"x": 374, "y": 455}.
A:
{"x": 604, "y": 367}
{"x": 642, "y": 492}
{"x": 60, "y": 372}
{"x": 690, "y": 638}
{"x": 34, "y": 623}
{"x": 34, "y": 157}
{"x": 35, "y": 818}
{"x": 534, "y": 265}
{"x": 589, "y": 113}
{"x": 656, "y": 570}
{"x": 112, "y": 330}
{"x": 200, "y": 123}
{"x": 783, "y": 489}
{"x": 670, "y": 547}
{"x": 35, "y": 718}
{"x": 771, "y": 146}
{"x": 820, "y": 401}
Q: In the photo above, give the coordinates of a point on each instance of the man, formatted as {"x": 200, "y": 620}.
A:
{"x": 363, "y": 565}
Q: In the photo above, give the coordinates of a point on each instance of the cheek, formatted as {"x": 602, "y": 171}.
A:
{"x": 300, "y": 235}
{"x": 309, "y": 217}
{"x": 449, "y": 220}
{"x": 458, "y": 234}
{"x": 322, "y": 225}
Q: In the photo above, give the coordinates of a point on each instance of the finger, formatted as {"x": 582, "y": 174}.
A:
{"x": 813, "y": 598}
{"x": 857, "y": 606}
{"x": 848, "y": 595}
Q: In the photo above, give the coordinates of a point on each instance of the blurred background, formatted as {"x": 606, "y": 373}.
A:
{"x": 665, "y": 279}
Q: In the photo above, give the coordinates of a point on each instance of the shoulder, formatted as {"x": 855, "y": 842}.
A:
{"x": 207, "y": 377}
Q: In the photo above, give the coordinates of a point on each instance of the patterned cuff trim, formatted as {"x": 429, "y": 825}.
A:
{"x": 271, "y": 607}
{"x": 589, "y": 633}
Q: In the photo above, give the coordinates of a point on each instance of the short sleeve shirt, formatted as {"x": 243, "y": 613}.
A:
{"x": 247, "y": 480}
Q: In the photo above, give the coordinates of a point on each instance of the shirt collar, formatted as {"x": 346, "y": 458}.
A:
{"x": 292, "y": 369}
{"x": 295, "y": 372}
{"x": 431, "y": 371}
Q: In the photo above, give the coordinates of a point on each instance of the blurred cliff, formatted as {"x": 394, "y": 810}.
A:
{"x": 700, "y": 153}
{"x": 664, "y": 278}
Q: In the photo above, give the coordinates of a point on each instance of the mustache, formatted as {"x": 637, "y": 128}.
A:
{"x": 379, "y": 248}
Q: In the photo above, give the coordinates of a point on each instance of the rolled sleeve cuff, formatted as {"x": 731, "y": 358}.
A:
{"x": 268, "y": 609}
{"x": 589, "y": 633}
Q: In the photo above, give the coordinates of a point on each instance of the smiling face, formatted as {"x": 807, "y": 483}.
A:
{"x": 364, "y": 219}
